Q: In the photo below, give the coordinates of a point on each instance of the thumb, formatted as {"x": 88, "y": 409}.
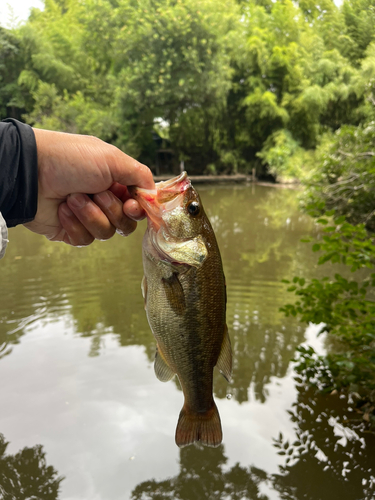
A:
{"x": 130, "y": 172}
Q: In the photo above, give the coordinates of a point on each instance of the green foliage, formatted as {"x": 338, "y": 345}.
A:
{"x": 238, "y": 84}
{"x": 284, "y": 157}
{"x": 172, "y": 62}
{"x": 345, "y": 178}
{"x": 359, "y": 17}
{"x": 291, "y": 77}
{"x": 345, "y": 308}
{"x": 11, "y": 98}
{"x": 70, "y": 113}
{"x": 172, "y": 55}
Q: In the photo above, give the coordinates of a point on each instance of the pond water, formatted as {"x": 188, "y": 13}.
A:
{"x": 83, "y": 413}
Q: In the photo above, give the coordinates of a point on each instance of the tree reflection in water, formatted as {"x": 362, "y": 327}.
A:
{"x": 202, "y": 477}
{"x": 326, "y": 461}
{"x": 26, "y": 475}
{"x": 96, "y": 292}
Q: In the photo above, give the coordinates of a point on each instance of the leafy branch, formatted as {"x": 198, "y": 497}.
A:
{"x": 345, "y": 307}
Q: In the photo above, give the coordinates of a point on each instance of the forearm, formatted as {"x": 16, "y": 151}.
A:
{"x": 18, "y": 172}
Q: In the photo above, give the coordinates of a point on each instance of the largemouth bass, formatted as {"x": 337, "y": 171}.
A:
{"x": 185, "y": 301}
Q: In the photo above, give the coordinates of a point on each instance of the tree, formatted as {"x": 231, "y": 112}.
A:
{"x": 338, "y": 462}
{"x": 346, "y": 310}
{"x": 26, "y": 476}
{"x": 228, "y": 80}
{"x": 11, "y": 97}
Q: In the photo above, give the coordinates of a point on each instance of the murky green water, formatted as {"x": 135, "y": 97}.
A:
{"x": 78, "y": 391}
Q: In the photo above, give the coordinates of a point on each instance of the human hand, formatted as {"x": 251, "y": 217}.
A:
{"x": 71, "y": 167}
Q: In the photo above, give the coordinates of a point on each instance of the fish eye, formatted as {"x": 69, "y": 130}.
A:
{"x": 194, "y": 208}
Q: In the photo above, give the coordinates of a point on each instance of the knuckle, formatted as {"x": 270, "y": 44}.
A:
{"x": 80, "y": 238}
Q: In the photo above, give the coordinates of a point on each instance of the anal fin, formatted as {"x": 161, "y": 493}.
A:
{"x": 224, "y": 363}
{"x": 162, "y": 370}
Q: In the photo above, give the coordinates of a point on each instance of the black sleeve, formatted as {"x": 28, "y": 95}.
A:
{"x": 18, "y": 172}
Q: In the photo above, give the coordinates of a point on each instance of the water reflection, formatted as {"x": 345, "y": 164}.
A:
{"x": 73, "y": 321}
{"x": 262, "y": 351}
{"x": 259, "y": 235}
{"x": 26, "y": 475}
{"x": 203, "y": 475}
{"x": 97, "y": 289}
{"x": 326, "y": 460}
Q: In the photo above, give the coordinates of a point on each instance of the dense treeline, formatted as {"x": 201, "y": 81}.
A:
{"x": 223, "y": 85}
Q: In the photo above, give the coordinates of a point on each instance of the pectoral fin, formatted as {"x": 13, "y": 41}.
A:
{"x": 175, "y": 293}
{"x": 163, "y": 371}
{"x": 144, "y": 289}
{"x": 224, "y": 363}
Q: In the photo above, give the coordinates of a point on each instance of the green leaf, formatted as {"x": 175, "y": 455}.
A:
{"x": 340, "y": 220}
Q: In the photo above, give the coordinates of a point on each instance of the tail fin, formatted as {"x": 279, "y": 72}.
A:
{"x": 202, "y": 427}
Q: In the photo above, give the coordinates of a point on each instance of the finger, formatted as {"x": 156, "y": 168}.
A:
{"x": 75, "y": 233}
{"x": 91, "y": 216}
{"x": 120, "y": 191}
{"x": 131, "y": 206}
{"x": 113, "y": 209}
{"x": 130, "y": 172}
{"x": 134, "y": 210}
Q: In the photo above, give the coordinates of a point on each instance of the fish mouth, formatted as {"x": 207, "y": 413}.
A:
{"x": 174, "y": 186}
{"x": 165, "y": 196}
{"x": 171, "y": 183}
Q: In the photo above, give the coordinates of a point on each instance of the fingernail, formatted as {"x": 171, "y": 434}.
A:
{"x": 66, "y": 210}
{"x": 77, "y": 200}
{"x": 105, "y": 199}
